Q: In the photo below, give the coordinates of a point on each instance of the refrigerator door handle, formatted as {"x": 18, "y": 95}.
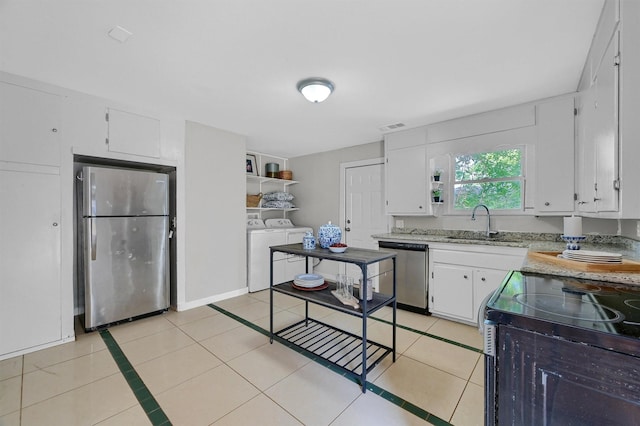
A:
{"x": 94, "y": 239}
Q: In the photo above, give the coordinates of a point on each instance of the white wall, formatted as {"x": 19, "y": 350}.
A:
{"x": 215, "y": 215}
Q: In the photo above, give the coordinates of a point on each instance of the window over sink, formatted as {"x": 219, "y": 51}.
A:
{"x": 494, "y": 178}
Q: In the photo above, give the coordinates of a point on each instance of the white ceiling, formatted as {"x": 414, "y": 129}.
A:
{"x": 234, "y": 64}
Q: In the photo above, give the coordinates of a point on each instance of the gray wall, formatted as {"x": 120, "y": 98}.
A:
{"x": 318, "y": 193}
{"x": 216, "y": 250}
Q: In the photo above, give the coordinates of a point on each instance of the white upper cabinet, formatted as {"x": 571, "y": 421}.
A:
{"x": 406, "y": 173}
{"x": 608, "y": 110}
{"x": 29, "y": 125}
{"x": 133, "y": 134}
{"x": 555, "y": 156}
{"x": 598, "y": 135}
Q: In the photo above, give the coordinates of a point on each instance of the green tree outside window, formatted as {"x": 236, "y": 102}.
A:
{"x": 492, "y": 178}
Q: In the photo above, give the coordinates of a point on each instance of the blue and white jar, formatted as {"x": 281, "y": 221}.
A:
{"x": 308, "y": 241}
{"x": 329, "y": 234}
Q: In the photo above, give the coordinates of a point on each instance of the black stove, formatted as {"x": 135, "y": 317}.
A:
{"x": 562, "y": 351}
{"x": 587, "y": 311}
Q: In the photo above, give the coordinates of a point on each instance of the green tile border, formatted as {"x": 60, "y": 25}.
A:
{"x": 394, "y": 399}
{"x": 433, "y": 336}
{"x": 143, "y": 395}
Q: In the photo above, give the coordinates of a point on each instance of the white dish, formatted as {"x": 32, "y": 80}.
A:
{"x": 308, "y": 277}
{"x": 591, "y": 254}
{"x": 602, "y": 262}
{"x": 308, "y": 284}
{"x": 337, "y": 249}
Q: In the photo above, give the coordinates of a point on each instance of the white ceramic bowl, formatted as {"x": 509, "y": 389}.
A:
{"x": 337, "y": 249}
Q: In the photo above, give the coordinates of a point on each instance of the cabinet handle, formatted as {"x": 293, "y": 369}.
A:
{"x": 419, "y": 207}
{"x": 547, "y": 203}
{"x": 54, "y": 130}
{"x": 55, "y": 223}
{"x": 483, "y": 279}
{"x": 596, "y": 199}
{"x": 347, "y": 229}
{"x": 465, "y": 277}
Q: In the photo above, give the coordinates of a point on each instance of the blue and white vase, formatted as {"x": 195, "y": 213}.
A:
{"x": 329, "y": 234}
{"x": 308, "y": 241}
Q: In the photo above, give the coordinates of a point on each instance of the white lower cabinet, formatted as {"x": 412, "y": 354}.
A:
{"x": 451, "y": 292}
{"x": 30, "y": 294}
{"x": 461, "y": 277}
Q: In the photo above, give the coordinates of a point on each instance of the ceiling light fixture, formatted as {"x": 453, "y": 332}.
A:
{"x": 315, "y": 89}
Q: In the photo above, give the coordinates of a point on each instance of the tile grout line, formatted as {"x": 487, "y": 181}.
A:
{"x": 148, "y": 403}
{"x": 394, "y": 399}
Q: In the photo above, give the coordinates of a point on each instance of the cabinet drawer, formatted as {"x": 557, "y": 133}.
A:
{"x": 481, "y": 260}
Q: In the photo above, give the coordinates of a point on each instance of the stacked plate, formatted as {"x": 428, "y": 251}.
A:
{"x": 592, "y": 256}
{"x": 308, "y": 280}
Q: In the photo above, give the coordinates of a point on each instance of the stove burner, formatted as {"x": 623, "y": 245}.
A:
{"x": 633, "y": 303}
{"x": 569, "y": 305}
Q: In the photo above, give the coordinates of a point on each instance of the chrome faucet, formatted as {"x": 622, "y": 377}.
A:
{"x": 489, "y": 232}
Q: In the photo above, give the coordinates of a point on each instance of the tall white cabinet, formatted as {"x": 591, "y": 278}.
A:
{"x": 30, "y": 213}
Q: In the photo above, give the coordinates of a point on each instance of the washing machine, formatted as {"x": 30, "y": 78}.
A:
{"x": 260, "y": 236}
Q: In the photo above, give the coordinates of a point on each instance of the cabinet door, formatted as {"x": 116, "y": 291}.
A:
{"x": 29, "y": 260}
{"x": 555, "y": 156}
{"x": 598, "y": 138}
{"x": 406, "y": 189}
{"x": 606, "y": 131}
{"x": 29, "y": 125}
{"x": 485, "y": 282}
{"x": 452, "y": 291}
{"x": 586, "y": 152}
{"x": 134, "y": 134}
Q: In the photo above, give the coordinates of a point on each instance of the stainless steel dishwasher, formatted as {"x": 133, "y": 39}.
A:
{"x": 411, "y": 275}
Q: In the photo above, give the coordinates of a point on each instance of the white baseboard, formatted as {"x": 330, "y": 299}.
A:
{"x": 211, "y": 299}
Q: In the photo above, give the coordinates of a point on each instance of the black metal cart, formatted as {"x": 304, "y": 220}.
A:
{"x": 349, "y": 352}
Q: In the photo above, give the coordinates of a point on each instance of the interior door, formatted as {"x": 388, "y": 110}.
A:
{"x": 364, "y": 211}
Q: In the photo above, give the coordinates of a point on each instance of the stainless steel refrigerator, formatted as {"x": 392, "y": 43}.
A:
{"x": 125, "y": 241}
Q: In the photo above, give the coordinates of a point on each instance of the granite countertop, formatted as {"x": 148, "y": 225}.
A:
{"x": 538, "y": 242}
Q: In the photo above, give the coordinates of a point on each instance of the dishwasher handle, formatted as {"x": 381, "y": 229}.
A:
{"x": 403, "y": 246}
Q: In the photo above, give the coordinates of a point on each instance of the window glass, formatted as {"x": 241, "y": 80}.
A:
{"x": 493, "y": 178}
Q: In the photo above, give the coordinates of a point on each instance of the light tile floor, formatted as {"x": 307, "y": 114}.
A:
{"x": 204, "y": 367}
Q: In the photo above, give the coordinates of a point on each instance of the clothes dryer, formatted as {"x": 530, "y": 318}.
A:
{"x": 260, "y": 236}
